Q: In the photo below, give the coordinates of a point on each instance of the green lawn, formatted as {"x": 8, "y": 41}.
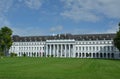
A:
{"x": 59, "y": 68}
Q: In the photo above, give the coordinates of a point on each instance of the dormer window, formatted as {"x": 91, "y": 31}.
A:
{"x": 25, "y": 39}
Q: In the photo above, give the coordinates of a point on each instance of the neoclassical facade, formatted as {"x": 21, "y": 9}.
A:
{"x": 66, "y": 46}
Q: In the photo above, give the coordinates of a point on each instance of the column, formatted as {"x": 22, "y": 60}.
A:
{"x": 61, "y": 50}
{"x": 69, "y": 50}
{"x": 73, "y": 51}
{"x": 65, "y": 50}
{"x": 46, "y": 50}
{"x": 91, "y": 54}
{"x": 53, "y": 50}
{"x": 110, "y": 49}
{"x": 50, "y": 51}
{"x": 57, "y": 50}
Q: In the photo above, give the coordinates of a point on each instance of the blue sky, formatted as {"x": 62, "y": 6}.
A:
{"x": 47, "y": 17}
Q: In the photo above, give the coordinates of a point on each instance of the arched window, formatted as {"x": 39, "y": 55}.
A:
{"x": 87, "y": 55}
{"x": 29, "y": 53}
{"x": 90, "y": 54}
{"x": 112, "y": 55}
{"x": 104, "y": 55}
{"x": 79, "y": 54}
{"x": 82, "y": 54}
{"x": 93, "y": 55}
{"x": 26, "y": 53}
{"x": 37, "y": 54}
{"x": 76, "y": 54}
{"x": 101, "y": 55}
{"x": 19, "y": 53}
{"x": 97, "y": 55}
{"x": 108, "y": 55}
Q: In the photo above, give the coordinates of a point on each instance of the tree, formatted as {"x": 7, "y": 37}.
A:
{"x": 5, "y": 40}
{"x": 117, "y": 38}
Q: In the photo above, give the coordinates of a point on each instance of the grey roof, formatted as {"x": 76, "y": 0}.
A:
{"x": 78, "y": 37}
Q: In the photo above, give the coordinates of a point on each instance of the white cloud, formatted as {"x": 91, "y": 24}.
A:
{"x": 113, "y": 27}
{"x": 4, "y": 21}
{"x": 91, "y": 10}
{"x": 5, "y": 5}
{"x": 56, "y": 29}
{"x": 33, "y": 4}
{"x": 31, "y": 31}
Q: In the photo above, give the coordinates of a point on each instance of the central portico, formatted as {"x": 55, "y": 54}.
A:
{"x": 60, "y": 48}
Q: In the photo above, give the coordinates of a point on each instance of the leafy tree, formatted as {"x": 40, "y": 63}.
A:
{"x": 5, "y": 39}
{"x": 117, "y": 39}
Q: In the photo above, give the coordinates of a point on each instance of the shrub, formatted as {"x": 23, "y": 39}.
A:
{"x": 13, "y": 54}
{"x": 52, "y": 55}
{"x": 1, "y": 54}
{"x": 48, "y": 55}
{"x": 24, "y": 55}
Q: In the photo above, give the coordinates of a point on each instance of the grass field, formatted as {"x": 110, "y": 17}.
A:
{"x": 59, "y": 68}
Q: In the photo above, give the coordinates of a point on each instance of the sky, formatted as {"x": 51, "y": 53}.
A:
{"x": 48, "y": 17}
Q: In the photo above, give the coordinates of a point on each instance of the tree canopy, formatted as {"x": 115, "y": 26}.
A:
{"x": 117, "y": 38}
{"x": 5, "y": 39}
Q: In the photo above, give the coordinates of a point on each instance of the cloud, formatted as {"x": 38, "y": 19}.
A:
{"x": 33, "y": 4}
{"x": 4, "y": 21}
{"x": 91, "y": 10}
{"x": 56, "y": 29}
{"x": 113, "y": 27}
{"x": 5, "y": 5}
{"x": 31, "y": 31}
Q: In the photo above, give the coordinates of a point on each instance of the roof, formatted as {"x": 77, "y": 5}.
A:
{"x": 78, "y": 37}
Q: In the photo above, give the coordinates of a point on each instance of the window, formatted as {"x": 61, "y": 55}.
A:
{"x": 97, "y": 47}
{"x": 86, "y": 42}
{"x": 89, "y": 48}
{"x": 37, "y": 48}
{"x": 83, "y": 48}
{"x": 82, "y": 42}
{"x": 110, "y": 42}
{"x": 93, "y": 48}
{"x": 76, "y": 54}
{"x": 90, "y": 42}
{"x": 102, "y": 42}
{"x": 86, "y": 48}
{"x": 76, "y": 48}
{"x": 83, "y": 54}
{"x": 112, "y": 48}
{"x": 106, "y": 42}
{"x": 108, "y": 48}
{"x": 79, "y": 48}
{"x": 101, "y": 48}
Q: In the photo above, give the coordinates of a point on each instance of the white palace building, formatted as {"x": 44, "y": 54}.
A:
{"x": 66, "y": 45}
